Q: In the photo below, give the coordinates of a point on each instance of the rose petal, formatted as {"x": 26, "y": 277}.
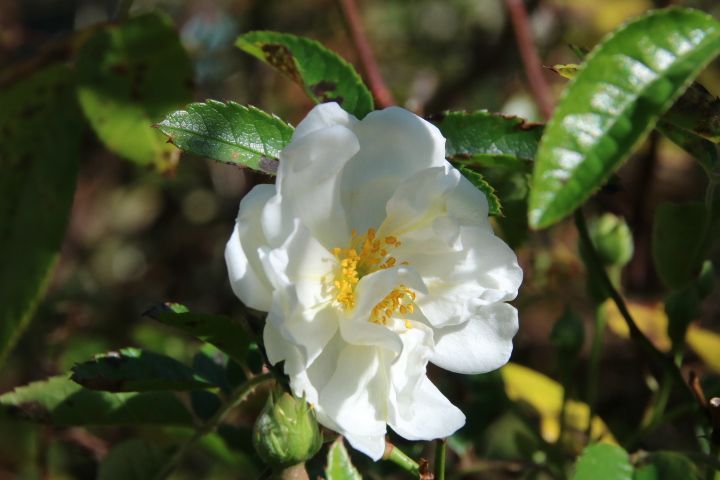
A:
{"x": 481, "y": 344}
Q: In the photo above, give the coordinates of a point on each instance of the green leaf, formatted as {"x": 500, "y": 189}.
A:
{"x": 323, "y": 74}
{"x": 494, "y": 207}
{"x": 60, "y": 401}
{"x": 134, "y": 459}
{"x": 131, "y": 75}
{"x": 625, "y": 85}
{"x": 339, "y": 465}
{"x": 666, "y": 466}
{"x": 704, "y": 151}
{"x": 135, "y": 370}
{"x": 487, "y": 134}
{"x": 229, "y": 133}
{"x": 679, "y": 242}
{"x": 697, "y": 112}
{"x": 603, "y": 461}
{"x": 220, "y": 331}
{"x": 40, "y": 131}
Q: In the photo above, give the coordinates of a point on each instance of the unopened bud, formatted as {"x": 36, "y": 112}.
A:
{"x": 612, "y": 239}
{"x": 286, "y": 432}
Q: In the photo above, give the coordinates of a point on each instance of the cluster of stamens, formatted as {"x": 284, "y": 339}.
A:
{"x": 367, "y": 254}
{"x": 399, "y": 300}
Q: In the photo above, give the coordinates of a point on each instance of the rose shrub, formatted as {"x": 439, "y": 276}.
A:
{"x": 373, "y": 256}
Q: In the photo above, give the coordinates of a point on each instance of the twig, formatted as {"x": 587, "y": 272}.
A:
{"x": 380, "y": 91}
{"x": 595, "y": 264}
{"x": 237, "y": 397}
{"x": 528, "y": 53}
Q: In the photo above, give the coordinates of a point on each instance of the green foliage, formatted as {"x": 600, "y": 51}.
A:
{"x": 614, "y": 101}
{"x": 219, "y": 331}
{"x": 339, "y": 466}
{"x": 697, "y": 112}
{"x": 61, "y": 402}
{"x": 135, "y": 370}
{"x": 494, "y": 207}
{"x": 229, "y": 133}
{"x": 482, "y": 133}
{"x": 679, "y": 242}
{"x": 128, "y": 77}
{"x": 133, "y": 460}
{"x": 666, "y": 466}
{"x": 324, "y": 75}
{"x": 603, "y": 461}
{"x": 568, "y": 334}
{"x": 38, "y": 160}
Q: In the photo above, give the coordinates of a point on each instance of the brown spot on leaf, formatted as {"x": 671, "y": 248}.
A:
{"x": 268, "y": 165}
{"x": 324, "y": 91}
{"x": 280, "y": 57}
{"x": 32, "y": 411}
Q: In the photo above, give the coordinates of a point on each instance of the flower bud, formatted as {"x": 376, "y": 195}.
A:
{"x": 612, "y": 239}
{"x": 286, "y": 432}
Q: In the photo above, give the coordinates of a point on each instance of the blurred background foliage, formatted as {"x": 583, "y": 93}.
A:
{"x": 139, "y": 235}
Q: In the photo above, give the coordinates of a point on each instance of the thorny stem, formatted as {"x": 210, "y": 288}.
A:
{"x": 595, "y": 264}
{"x": 380, "y": 91}
{"x": 528, "y": 53}
{"x": 440, "y": 448}
{"x": 236, "y": 398}
{"x": 395, "y": 455}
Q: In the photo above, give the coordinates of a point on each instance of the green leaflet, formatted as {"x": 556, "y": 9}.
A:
{"x": 494, "y": 207}
{"x": 134, "y": 459}
{"x": 60, "y": 401}
{"x": 129, "y": 76}
{"x": 603, "y": 461}
{"x": 135, "y": 370}
{"x": 339, "y": 466}
{"x": 229, "y": 133}
{"x": 666, "y": 466}
{"x": 38, "y": 160}
{"x": 323, "y": 74}
{"x": 220, "y": 331}
{"x": 626, "y": 83}
{"x": 483, "y": 133}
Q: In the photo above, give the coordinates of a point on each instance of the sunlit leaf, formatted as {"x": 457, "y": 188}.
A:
{"x": 40, "y": 130}
{"x": 220, "y": 331}
{"x": 614, "y": 101}
{"x": 134, "y": 459}
{"x": 130, "y": 75}
{"x": 135, "y": 370}
{"x": 323, "y": 74}
{"x": 602, "y": 461}
{"x": 545, "y": 396}
{"x": 339, "y": 466}
{"x": 229, "y": 133}
{"x": 60, "y": 401}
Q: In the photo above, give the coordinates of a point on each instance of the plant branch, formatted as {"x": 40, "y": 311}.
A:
{"x": 236, "y": 398}
{"x": 395, "y": 455}
{"x": 380, "y": 91}
{"x": 528, "y": 53}
{"x": 595, "y": 264}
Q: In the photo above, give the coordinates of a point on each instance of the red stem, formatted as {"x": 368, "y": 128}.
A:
{"x": 382, "y": 94}
{"x": 529, "y": 55}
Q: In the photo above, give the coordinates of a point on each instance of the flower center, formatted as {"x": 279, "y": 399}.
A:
{"x": 367, "y": 254}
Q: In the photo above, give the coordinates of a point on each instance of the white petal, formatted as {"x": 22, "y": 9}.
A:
{"x": 357, "y": 329}
{"x": 356, "y": 395}
{"x": 394, "y": 144}
{"x": 247, "y": 278}
{"x": 432, "y": 415}
{"x": 308, "y": 182}
{"x": 323, "y": 116}
{"x": 409, "y": 369}
{"x": 484, "y": 272}
{"x": 481, "y": 344}
{"x": 372, "y": 445}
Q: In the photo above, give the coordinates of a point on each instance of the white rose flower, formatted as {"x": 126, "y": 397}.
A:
{"x": 373, "y": 256}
